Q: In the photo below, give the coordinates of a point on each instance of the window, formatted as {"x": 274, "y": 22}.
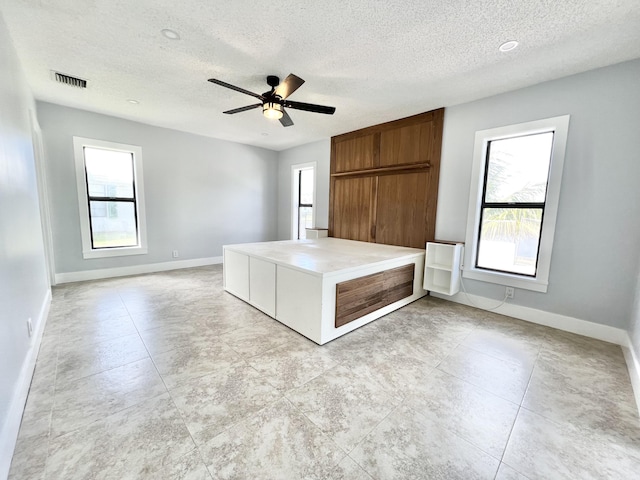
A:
{"x": 110, "y": 194}
{"x": 303, "y": 199}
{"x": 513, "y": 203}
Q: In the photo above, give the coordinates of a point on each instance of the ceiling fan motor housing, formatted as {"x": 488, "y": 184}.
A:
{"x": 273, "y": 81}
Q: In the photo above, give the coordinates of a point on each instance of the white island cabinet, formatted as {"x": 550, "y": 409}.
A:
{"x": 326, "y": 287}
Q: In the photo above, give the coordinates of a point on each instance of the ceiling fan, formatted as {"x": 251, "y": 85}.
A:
{"x": 274, "y": 101}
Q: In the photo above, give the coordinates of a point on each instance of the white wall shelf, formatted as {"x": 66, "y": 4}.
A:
{"x": 442, "y": 267}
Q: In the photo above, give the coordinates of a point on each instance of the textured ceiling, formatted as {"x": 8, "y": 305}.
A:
{"x": 374, "y": 61}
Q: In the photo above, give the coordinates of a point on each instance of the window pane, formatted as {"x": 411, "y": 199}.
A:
{"x": 113, "y": 224}
{"x": 304, "y": 221}
{"x": 109, "y": 173}
{"x": 509, "y": 239}
{"x": 306, "y": 186}
{"x": 518, "y": 168}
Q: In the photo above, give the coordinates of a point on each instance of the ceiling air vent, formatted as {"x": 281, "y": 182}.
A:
{"x": 69, "y": 80}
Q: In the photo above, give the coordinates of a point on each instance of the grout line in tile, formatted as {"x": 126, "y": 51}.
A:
{"x": 319, "y": 429}
{"x": 243, "y": 419}
{"x": 498, "y": 358}
{"x": 506, "y": 445}
{"x": 164, "y": 383}
{"x": 478, "y": 386}
{"x": 460, "y": 436}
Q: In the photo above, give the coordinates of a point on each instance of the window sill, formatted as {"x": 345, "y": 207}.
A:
{"x": 114, "y": 252}
{"x": 506, "y": 279}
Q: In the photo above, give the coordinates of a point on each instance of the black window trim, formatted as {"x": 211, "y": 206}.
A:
{"x": 300, "y": 204}
{"x": 513, "y": 205}
{"x": 95, "y": 198}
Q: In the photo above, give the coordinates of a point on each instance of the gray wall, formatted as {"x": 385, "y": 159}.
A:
{"x": 200, "y": 193}
{"x": 593, "y": 267}
{"x": 319, "y": 152}
{"x": 23, "y": 278}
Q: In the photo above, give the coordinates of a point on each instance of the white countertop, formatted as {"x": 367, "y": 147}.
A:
{"x": 324, "y": 256}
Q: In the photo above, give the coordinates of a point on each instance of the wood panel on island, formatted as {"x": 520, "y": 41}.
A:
{"x": 360, "y": 296}
{"x": 384, "y": 181}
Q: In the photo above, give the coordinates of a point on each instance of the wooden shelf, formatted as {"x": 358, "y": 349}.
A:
{"x": 383, "y": 170}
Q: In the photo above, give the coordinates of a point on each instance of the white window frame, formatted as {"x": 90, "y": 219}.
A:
{"x": 87, "y": 250}
{"x": 294, "y": 195}
{"x": 539, "y": 283}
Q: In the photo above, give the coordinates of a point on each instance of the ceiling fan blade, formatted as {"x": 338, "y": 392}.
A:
{"x": 310, "y": 107}
{"x": 243, "y": 109}
{"x": 286, "y": 119}
{"x": 288, "y": 86}
{"x": 237, "y": 89}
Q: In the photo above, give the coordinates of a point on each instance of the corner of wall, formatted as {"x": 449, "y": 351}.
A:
{"x": 632, "y": 349}
{"x": 633, "y": 366}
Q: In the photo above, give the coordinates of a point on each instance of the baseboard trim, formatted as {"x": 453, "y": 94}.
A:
{"x": 83, "y": 275}
{"x": 633, "y": 366}
{"x": 9, "y": 433}
{"x": 548, "y": 319}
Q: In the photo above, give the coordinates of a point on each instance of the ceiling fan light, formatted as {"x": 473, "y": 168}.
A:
{"x": 272, "y": 110}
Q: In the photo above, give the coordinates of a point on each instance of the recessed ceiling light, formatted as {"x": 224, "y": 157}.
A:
{"x": 508, "y": 46}
{"x": 132, "y": 101}
{"x": 170, "y": 34}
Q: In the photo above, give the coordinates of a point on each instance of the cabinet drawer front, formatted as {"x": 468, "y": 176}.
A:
{"x": 355, "y": 298}
{"x": 262, "y": 285}
{"x": 236, "y": 274}
{"x": 398, "y": 283}
{"x": 360, "y": 296}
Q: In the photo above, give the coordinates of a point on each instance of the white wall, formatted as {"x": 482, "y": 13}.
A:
{"x": 319, "y": 152}
{"x": 24, "y": 288}
{"x": 200, "y": 193}
{"x": 593, "y": 267}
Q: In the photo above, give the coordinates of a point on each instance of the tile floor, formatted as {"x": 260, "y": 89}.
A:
{"x": 166, "y": 376}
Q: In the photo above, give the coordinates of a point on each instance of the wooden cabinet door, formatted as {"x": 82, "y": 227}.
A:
{"x": 409, "y": 145}
{"x": 406, "y": 209}
{"x": 354, "y": 154}
{"x": 353, "y": 207}
{"x": 387, "y": 175}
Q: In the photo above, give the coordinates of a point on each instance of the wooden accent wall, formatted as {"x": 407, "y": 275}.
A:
{"x": 384, "y": 181}
{"x": 355, "y": 298}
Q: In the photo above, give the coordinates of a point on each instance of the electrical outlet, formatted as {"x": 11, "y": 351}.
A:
{"x": 509, "y": 292}
{"x": 175, "y": 254}
{"x": 29, "y": 327}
